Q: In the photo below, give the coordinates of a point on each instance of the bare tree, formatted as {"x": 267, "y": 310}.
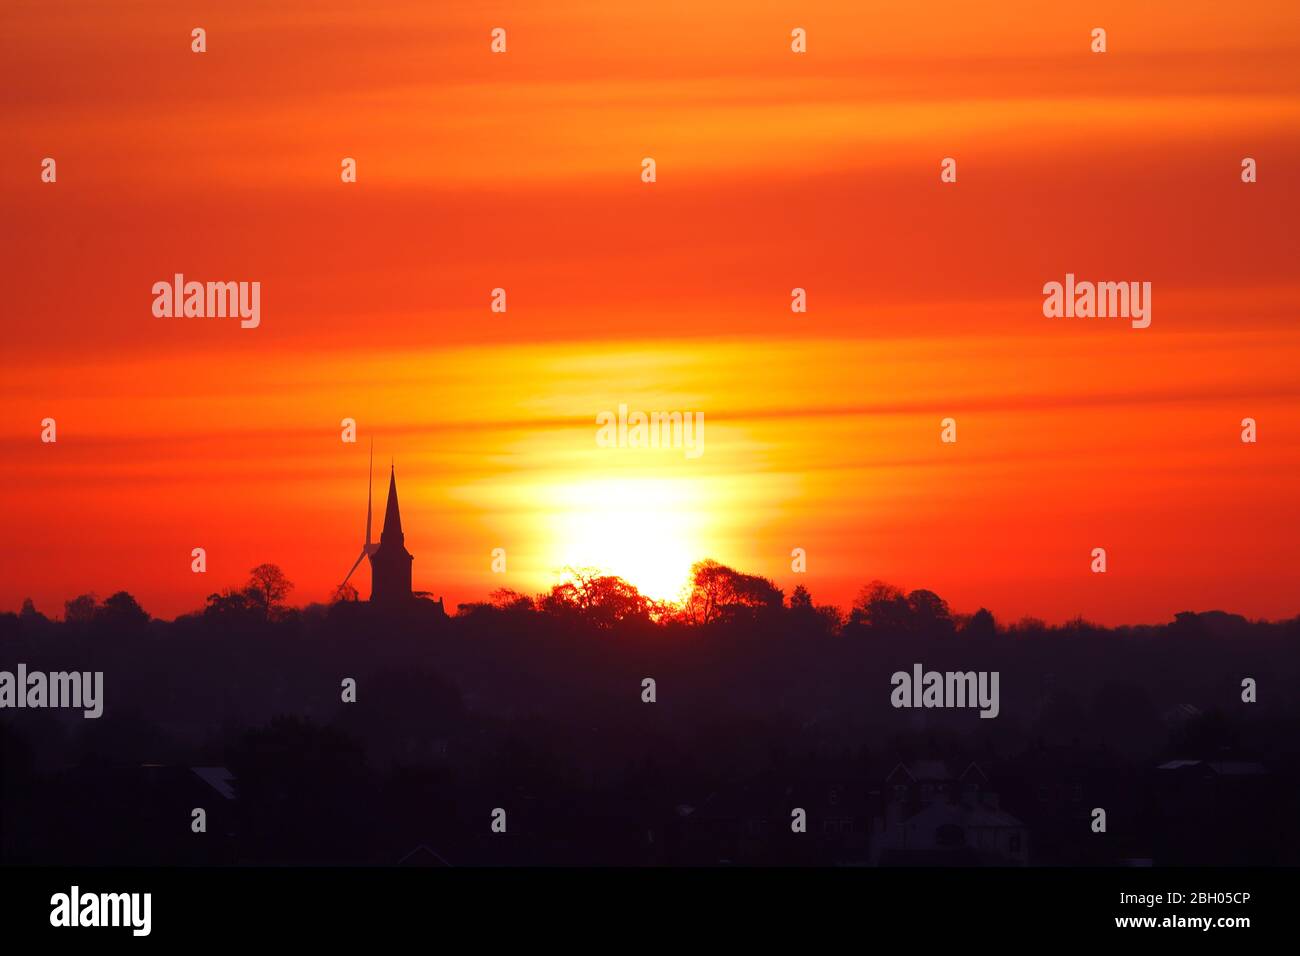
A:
{"x": 344, "y": 592}
{"x": 268, "y": 587}
{"x": 602, "y": 599}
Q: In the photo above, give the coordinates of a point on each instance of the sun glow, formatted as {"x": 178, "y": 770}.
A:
{"x": 648, "y": 531}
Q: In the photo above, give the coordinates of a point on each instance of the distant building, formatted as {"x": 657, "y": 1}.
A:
{"x": 933, "y": 817}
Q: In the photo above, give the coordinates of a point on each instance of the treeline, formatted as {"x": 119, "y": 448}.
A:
{"x": 538, "y": 702}
{"x": 717, "y": 595}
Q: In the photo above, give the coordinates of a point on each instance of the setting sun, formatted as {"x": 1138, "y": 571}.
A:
{"x": 648, "y": 531}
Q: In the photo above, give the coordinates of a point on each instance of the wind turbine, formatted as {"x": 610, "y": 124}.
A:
{"x": 369, "y": 547}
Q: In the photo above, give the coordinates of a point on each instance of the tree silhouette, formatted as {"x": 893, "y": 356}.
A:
{"x": 508, "y": 599}
{"x": 929, "y": 613}
{"x": 344, "y": 592}
{"x": 880, "y": 608}
{"x": 599, "y": 599}
{"x": 121, "y": 611}
{"x": 267, "y": 588}
{"x": 801, "y": 600}
{"x": 719, "y": 592}
{"x": 980, "y": 625}
{"x": 81, "y": 609}
{"x": 808, "y": 618}
{"x": 230, "y": 603}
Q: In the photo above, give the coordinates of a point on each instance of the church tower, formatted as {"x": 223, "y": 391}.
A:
{"x": 390, "y": 565}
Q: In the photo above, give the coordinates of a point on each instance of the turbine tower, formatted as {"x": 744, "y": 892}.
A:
{"x": 370, "y": 547}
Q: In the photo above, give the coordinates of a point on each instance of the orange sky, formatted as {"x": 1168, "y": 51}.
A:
{"x": 775, "y": 170}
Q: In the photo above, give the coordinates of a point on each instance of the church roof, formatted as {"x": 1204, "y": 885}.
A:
{"x": 392, "y": 517}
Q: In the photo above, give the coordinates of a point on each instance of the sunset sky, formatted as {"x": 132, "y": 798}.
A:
{"x": 775, "y": 170}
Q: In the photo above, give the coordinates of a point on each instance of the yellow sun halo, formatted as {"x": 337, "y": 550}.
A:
{"x": 647, "y": 531}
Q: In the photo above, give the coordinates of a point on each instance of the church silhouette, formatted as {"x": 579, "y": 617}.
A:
{"x": 390, "y": 562}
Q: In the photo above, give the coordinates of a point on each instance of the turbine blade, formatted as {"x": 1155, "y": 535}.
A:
{"x": 354, "y": 567}
{"x": 370, "y": 487}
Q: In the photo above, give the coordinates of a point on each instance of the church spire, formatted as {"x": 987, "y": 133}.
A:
{"x": 392, "y": 516}
{"x": 390, "y": 565}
